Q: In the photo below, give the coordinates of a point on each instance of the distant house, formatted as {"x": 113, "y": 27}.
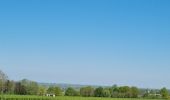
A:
{"x": 157, "y": 94}
{"x": 50, "y": 95}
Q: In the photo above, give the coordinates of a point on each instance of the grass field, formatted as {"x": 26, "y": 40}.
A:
{"x": 18, "y": 97}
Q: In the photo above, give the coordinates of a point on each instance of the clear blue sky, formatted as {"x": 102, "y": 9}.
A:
{"x": 100, "y": 42}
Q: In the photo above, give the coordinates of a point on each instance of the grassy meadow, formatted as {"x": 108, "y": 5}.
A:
{"x": 28, "y": 97}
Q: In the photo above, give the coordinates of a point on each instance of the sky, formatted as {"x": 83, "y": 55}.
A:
{"x": 94, "y": 42}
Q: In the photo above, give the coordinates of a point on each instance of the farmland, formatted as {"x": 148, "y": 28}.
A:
{"x": 28, "y": 97}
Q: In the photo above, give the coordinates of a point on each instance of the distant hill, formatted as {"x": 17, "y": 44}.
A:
{"x": 65, "y": 85}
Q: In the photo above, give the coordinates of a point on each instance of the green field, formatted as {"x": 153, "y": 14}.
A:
{"x": 18, "y": 97}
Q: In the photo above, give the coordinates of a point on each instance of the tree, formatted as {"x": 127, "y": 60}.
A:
{"x": 3, "y": 76}
{"x": 87, "y": 91}
{"x": 134, "y": 92}
{"x": 50, "y": 90}
{"x": 106, "y": 93}
{"x": 31, "y": 86}
{"x": 9, "y": 87}
{"x": 54, "y": 90}
{"x": 71, "y": 92}
{"x": 3, "y": 79}
{"x": 98, "y": 92}
{"x": 164, "y": 92}
{"x": 114, "y": 90}
{"x": 124, "y": 92}
{"x": 41, "y": 90}
{"x": 57, "y": 91}
{"x": 19, "y": 89}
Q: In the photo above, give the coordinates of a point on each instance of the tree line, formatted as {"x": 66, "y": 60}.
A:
{"x": 27, "y": 87}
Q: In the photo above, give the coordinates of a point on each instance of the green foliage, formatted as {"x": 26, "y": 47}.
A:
{"x": 19, "y": 89}
{"x": 71, "y": 92}
{"x": 3, "y": 79}
{"x": 27, "y": 87}
{"x": 164, "y": 92}
{"x": 117, "y": 92}
{"x": 106, "y": 93}
{"x": 152, "y": 94}
{"x": 54, "y": 90}
{"x": 134, "y": 92}
{"x": 57, "y": 91}
{"x": 30, "y": 86}
{"x": 9, "y": 87}
{"x": 87, "y": 91}
{"x": 114, "y": 91}
{"x": 124, "y": 92}
{"x": 98, "y": 92}
{"x": 42, "y": 90}
{"x": 50, "y": 90}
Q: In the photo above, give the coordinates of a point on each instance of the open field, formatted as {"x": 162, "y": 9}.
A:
{"x": 18, "y": 97}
